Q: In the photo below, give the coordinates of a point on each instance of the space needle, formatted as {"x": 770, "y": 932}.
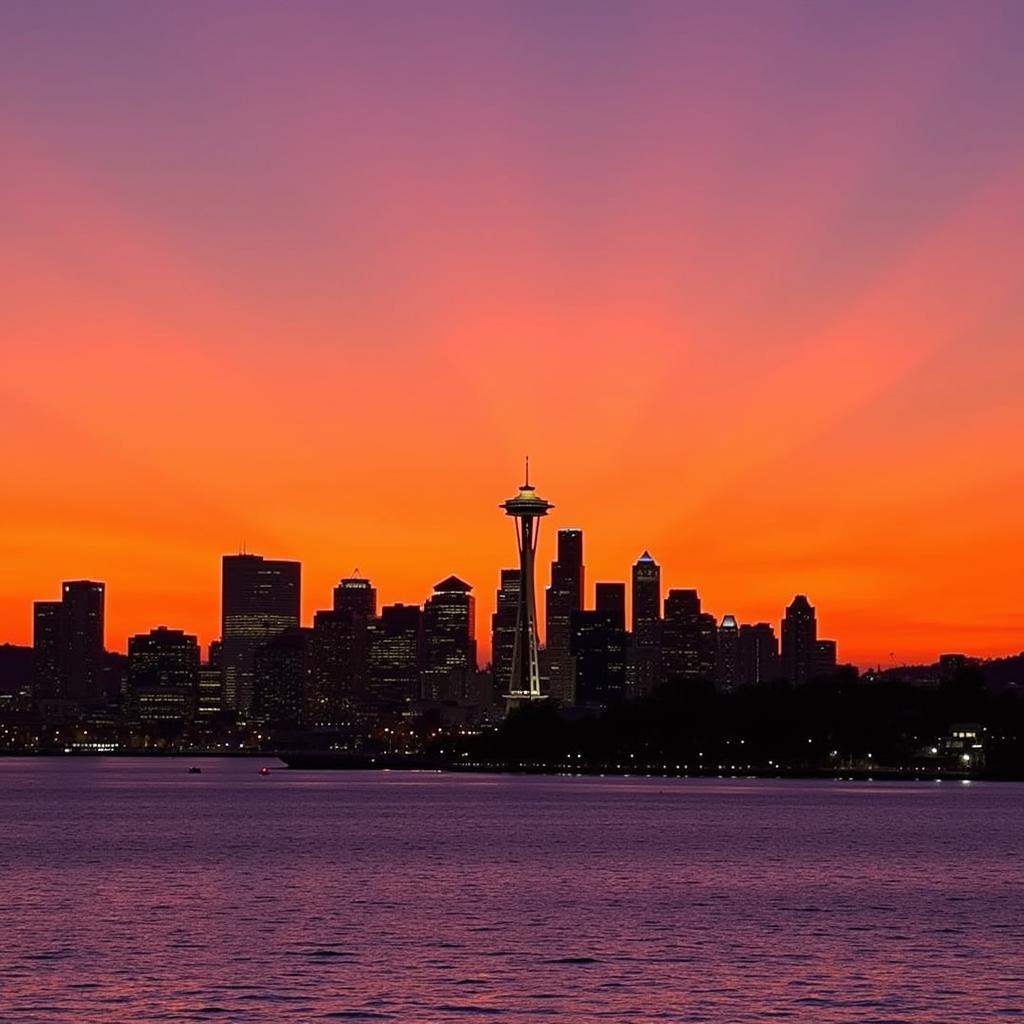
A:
{"x": 526, "y": 508}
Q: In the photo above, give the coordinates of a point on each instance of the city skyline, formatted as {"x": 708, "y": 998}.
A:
{"x": 646, "y": 573}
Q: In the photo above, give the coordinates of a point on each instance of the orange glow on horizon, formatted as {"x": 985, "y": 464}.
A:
{"x": 770, "y": 332}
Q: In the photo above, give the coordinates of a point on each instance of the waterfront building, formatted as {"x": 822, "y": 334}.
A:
{"x": 564, "y": 598}
{"x": 799, "y": 640}
{"x": 259, "y": 600}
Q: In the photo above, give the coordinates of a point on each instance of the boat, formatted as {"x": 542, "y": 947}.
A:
{"x": 264, "y": 770}
{"x": 195, "y": 770}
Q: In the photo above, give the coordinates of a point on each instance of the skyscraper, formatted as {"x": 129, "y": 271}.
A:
{"x": 727, "y": 662}
{"x": 68, "y": 641}
{"x": 758, "y": 654}
{"x": 825, "y": 657}
{"x": 646, "y": 602}
{"x": 564, "y": 598}
{"x": 163, "y": 675}
{"x": 598, "y": 648}
{"x": 526, "y": 508}
{"x": 356, "y": 595}
{"x": 449, "y": 638}
{"x": 688, "y": 638}
{"x": 259, "y": 600}
{"x": 281, "y": 675}
{"x": 503, "y": 630}
{"x": 799, "y": 639}
{"x": 396, "y": 654}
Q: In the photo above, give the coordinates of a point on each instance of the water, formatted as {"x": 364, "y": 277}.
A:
{"x": 133, "y": 891}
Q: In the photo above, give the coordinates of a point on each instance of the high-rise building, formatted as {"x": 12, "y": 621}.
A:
{"x": 211, "y": 683}
{"x": 356, "y": 595}
{"x": 281, "y": 675}
{"x": 68, "y": 639}
{"x": 527, "y": 508}
{"x": 503, "y": 630}
{"x": 727, "y": 660}
{"x": 396, "y": 654}
{"x": 799, "y": 640}
{"x": 163, "y": 675}
{"x": 48, "y": 650}
{"x": 689, "y": 638}
{"x": 449, "y": 638}
{"x": 599, "y": 650}
{"x": 564, "y": 598}
{"x": 825, "y": 657}
{"x": 339, "y": 648}
{"x": 646, "y": 602}
{"x": 340, "y": 641}
{"x": 610, "y": 601}
{"x": 758, "y": 654}
{"x": 259, "y": 599}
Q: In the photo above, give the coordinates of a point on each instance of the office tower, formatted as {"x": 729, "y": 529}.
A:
{"x": 339, "y": 678}
{"x": 340, "y": 663}
{"x": 48, "y": 650}
{"x": 449, "y": 639}
{"x": 825, "y": 657}
{"x": 646, "y": 602}
{"x": 396, "y": 654}
{"x": 163, "y": 675}
{"x": 758, "y": 654}
{"x": 503, "y": 630}
{"x": 211, "y": 683}
{"x": 526, "y": 508}
{"x": 727, "y": 661}
{"x": 689, "y": 638}
{"x": 564, "y": 598}
{"x": 610, "y": 601}
{"x": 281, "y": 673}
{"x": 356, "y": 595}
{"x": 259, "y": 600}
{"x": 598, "y": 648}
{"x": 68, "y": 636}
{"x": 799, "y": 636}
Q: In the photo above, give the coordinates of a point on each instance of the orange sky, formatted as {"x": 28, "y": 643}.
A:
{"x": 747, "y": 284}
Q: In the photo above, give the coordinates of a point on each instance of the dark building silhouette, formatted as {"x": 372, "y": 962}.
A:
{"x": 67, "y": 643}
{"x": 599, "y": 650}
{"x": 356, "y": 595}
{"x": 564, "y": 598}
{"x": 689, "y": 638}
{"x": 15, "y": 670}
{"x": 799, "y": 641}
{"x": 503, "y": 630}
{"x": 259, "y": 599}
{"x": 727, "y": 660}
{"x": 396, "y": 654}
{"x": 211, "y": 683}
{"x": 281, "y": 673}
{"x": 758, "y": 654}
{"x": 646, "y": 602}
{"x": 825, "y": 657}
{"x": 610, "y": 601}
{"x": 340, "y": 650}
{"x": 163, "y": 675}
{"x": 449, "y": 639}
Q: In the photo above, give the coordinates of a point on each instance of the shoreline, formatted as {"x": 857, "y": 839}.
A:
{"x": 400, "y": 763}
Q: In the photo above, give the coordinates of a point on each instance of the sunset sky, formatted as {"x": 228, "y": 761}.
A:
{"x": 746, "y": 281}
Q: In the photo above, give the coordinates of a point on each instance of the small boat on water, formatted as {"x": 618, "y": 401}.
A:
{"x": 264, "y": 770}
{"x": 195, "y": 770}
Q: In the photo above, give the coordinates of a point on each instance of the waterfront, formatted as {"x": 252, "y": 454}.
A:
{"x": 136, "y": 891}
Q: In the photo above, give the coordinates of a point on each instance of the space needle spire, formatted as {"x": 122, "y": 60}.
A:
{"x": 526, "y": 508}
